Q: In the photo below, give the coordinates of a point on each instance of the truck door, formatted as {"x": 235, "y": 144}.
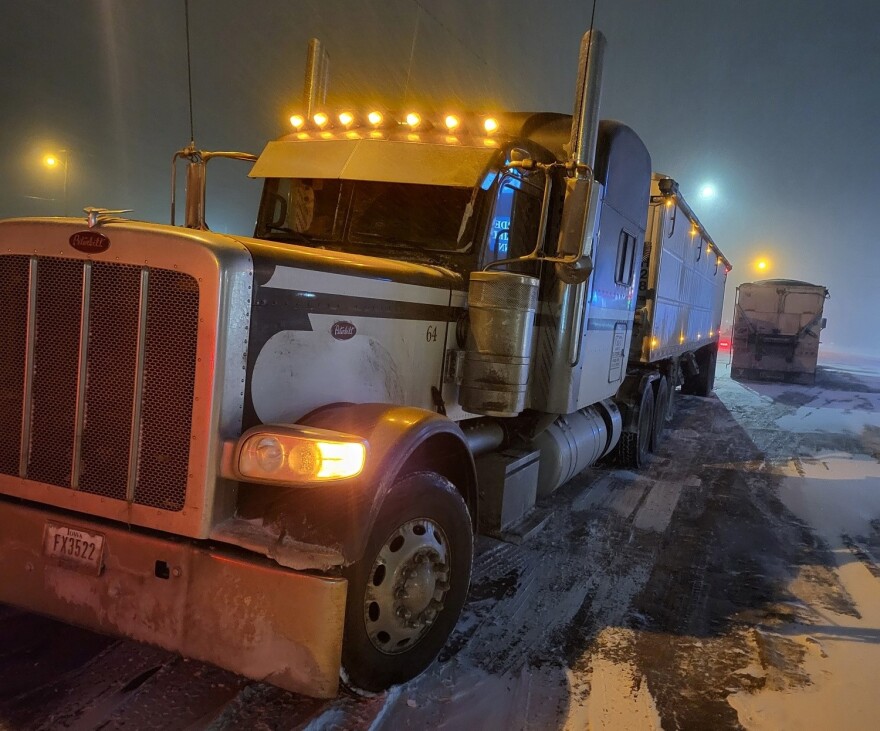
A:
{"x": 623, "y": 167}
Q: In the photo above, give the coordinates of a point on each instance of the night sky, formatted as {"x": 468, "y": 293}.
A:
{"x": 775, "y": 102}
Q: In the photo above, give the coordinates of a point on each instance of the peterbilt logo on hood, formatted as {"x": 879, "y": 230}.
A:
{"x": 89, "y": 242}
{"x": 343, "y": 330}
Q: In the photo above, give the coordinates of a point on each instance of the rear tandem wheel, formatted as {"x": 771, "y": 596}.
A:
{"x": 633, "y": 447}
{"x": 662, "y": 397}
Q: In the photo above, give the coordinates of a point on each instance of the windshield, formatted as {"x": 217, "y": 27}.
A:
{"x": 430, "y": 217}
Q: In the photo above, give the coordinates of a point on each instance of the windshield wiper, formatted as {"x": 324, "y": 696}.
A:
{"x": 395, "y": 242}
{"x": 289, "y": 233}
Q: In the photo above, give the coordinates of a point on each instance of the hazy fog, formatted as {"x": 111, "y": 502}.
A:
{"x": 775, "y": 103}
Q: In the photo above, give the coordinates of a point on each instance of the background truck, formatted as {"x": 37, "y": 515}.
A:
{"x": 776, "y": 330}
{"x": 272, "y": 452}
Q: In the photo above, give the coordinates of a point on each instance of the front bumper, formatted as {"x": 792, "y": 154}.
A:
{"x": 244, "y": 614}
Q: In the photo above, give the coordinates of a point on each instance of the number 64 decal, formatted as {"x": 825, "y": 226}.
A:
{"x": 431, "y": 334}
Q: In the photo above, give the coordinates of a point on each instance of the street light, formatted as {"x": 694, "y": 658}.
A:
{"x": 708, "y": 192}
{"x": 53, "y": 161}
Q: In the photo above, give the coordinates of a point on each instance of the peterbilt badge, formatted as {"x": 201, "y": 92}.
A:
{"x": 343, "y": 330}
{"x": 89, "y": 242}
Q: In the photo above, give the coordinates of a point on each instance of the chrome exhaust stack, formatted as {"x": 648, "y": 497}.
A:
{"x": 317, "y": 78}
{"x": 580, "y": 197}
{"x": 585, "y": 120}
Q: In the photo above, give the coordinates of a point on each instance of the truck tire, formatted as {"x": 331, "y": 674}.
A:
{"x": 633, "y": 447}
{"x": 662, "y": 396}
{"x": 406, "y": 593}
{"x": 672, "y": 379}
{"x": 703, "y": 382}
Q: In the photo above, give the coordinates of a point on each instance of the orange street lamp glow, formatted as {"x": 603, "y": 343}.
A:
{"x": 762, "y": 265}
{"x": 50, "y": 161}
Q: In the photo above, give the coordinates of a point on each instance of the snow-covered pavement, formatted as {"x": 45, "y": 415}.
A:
{"x": 733, "y": 583}
{"x": 831, "y": 481}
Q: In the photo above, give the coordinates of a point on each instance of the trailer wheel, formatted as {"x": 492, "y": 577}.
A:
{"x": 661, "y": 412}
{"x": 633, "y": 447}
{"x": 673, "y": 381}
{"x": 703, "y": 382}
{"x": 406, "y": 593}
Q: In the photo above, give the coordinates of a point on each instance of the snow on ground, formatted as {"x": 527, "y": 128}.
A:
{"x": 836, "y": 493}
{"x": 733, "y": 582}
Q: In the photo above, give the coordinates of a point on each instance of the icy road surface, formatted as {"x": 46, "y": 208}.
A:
{"x": 734, "y": 583}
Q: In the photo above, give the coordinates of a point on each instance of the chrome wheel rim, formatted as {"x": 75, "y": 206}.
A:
{"x": 407, "y": 586}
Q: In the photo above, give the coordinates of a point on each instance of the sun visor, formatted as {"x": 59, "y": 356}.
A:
{"x": 386, "y": 161}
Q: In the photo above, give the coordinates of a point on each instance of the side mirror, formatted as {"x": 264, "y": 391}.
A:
{"x": 576, "y": 233}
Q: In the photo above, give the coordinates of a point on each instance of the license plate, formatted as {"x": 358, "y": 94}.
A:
{"x": 74, "y": 547}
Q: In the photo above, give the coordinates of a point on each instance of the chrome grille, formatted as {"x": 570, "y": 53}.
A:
{"x": 172, "y": 320}
{"x": 56, "y": 367}
{"x": 110, "y": 386}
{"x": 14, "y": 273}
{"x": 97, "y": 369}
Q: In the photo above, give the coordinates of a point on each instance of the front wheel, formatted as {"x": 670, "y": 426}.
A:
{"x": 407, "y": 591}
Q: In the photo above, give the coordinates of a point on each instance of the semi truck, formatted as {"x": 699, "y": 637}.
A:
{"x": 272, "y": 452}
{"x": 777, "y": 323}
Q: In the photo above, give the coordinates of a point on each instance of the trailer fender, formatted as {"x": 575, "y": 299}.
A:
{"x": 402, "y": 440}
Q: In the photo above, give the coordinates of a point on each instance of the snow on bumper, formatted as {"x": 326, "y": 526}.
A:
{"x": 244, "y": 614}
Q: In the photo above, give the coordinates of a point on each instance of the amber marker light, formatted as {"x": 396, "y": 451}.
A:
{"x": 451, "y": 122}
{"x": 346, "y": 118}
{"x": 375, "y": 118}
{"x": 762, "y": 265}
{"x": 299, "y": 455}
{"x": 490, "y": 124}
{"x": 297, "y": 121}
{"x": 413, "y": 119}
{"x": 320, "y": 119}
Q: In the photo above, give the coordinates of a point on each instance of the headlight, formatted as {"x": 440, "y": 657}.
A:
{"x": 299, "y": 455}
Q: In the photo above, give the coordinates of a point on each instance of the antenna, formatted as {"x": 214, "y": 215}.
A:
{"x": 192, "y": 130}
